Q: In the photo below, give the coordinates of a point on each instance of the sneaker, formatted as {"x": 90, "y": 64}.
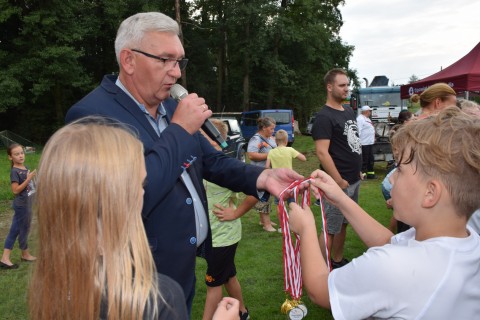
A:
{"x": 317, "y": 203}
{"x": 371, "y": 176}
{"x": 245, "y": 315}
{"x": 339, "y": 264}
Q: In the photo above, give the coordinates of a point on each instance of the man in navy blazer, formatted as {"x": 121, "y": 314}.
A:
{"x": 151, "y": 57}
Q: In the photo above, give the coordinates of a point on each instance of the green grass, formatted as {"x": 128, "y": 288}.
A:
{"x": 258, "y": 259}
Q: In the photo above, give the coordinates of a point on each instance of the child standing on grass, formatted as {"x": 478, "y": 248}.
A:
{"x": 22, "y": 187}
{"x": 282, "y": 156}
{"x": 430, "y": 271}
{"x": 226, "y": 229}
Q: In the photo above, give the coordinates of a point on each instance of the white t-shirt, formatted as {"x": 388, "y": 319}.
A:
{"x": 366, "y": 130}
{"x": 437, "y": 278}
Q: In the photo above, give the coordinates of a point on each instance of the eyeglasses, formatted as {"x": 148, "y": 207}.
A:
{"x": 168, "y": 62}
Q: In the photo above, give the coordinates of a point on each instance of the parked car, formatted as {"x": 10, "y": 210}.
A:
{"x": 283, "y": 118}
{"x": 310, "y": 125}
{"x": 237, "y": 146}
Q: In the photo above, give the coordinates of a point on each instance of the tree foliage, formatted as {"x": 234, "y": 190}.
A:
{"x": 244, "y": 54}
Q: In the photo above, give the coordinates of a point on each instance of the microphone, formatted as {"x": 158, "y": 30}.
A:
{"x": 178, "y": 92}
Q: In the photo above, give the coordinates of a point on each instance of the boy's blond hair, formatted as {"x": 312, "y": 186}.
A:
{"x": 445, "y": 147}
{"x": 221, "y": 126}
{"x": 281, "y": 137}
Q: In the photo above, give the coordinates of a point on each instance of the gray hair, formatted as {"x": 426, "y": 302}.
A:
{"x": 132, "y": 30}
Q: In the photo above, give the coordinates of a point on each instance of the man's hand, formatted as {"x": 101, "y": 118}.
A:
{"x": 343, "y": 184}
{"x": 277, "y": 180}
{"x": 191, "y": 113}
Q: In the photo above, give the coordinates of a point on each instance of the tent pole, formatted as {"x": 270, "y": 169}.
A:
{"x": 466, "y": 95}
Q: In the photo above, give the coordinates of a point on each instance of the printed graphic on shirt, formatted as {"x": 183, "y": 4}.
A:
{"x": 351, "y": 131}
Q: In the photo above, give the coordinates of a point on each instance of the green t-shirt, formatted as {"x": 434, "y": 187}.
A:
{"x": 281, "y": 157}
{"x": 224, "y": 233}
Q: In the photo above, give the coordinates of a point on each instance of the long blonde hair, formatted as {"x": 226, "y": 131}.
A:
{"x": 94, "y": 259}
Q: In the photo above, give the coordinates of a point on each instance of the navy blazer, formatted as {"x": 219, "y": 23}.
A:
{"x": 168, "y": 213}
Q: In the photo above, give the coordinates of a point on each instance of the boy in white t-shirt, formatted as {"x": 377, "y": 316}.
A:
{"x": 430, "y": 271}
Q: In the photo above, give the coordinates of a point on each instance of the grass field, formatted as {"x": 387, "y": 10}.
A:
{"x": 258, "y": 259}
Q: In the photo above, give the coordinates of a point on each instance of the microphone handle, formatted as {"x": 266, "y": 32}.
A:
{"x": 213, "y": 133}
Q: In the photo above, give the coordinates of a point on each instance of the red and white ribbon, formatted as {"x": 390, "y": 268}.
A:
{"x": 291, "y": 252}
{"x": 325, "y": 236}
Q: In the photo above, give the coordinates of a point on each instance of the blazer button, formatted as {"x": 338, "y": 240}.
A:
{"x": 189, "y": 201}
{"x": 193, "y": 240}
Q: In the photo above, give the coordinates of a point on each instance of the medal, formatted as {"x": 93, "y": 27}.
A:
{"x": 294, "y": 309}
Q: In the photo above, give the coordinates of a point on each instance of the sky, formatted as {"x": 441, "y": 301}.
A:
{"x": 401, "y": 38}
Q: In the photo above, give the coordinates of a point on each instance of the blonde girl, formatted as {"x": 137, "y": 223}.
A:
{"x": 94, "y": 258}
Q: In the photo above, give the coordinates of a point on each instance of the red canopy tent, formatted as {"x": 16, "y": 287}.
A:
{"x": 462, "y": 76}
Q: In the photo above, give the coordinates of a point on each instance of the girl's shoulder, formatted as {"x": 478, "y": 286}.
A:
{"x": 17, "y": 169}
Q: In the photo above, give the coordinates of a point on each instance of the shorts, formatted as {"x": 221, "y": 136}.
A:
{"x": 221, "y": 265}
{"x": 263, "y": 207}
{"x": 335, "y": 218}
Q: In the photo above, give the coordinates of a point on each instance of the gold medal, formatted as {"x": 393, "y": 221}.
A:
{"x": 294, "y": 309}
{"x": 286, "y": 306}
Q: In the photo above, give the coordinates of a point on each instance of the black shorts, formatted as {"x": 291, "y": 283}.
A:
{"x": 221, "y": 265}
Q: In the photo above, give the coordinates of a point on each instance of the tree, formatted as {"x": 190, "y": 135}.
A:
{"x": 413, "y": 78}
{"x": 242, "y": 54}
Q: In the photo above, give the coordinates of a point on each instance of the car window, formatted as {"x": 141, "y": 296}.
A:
{"x": 234, "y": 128}
{"x": 250, "y": 119}
{"x": 279, "y": 117}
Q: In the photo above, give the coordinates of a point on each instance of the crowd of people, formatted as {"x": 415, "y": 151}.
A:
{"x": 139, "y": 192}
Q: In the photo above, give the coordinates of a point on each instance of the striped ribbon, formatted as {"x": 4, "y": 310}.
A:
{"x": 291, "y": 252}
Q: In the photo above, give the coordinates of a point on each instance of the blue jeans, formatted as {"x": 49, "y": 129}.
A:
{"x": 20, "y": 228}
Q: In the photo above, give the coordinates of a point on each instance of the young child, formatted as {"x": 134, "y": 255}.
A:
{"x": 282, "y": 156}
{"x": 92, "y": 243}
{"x": 226, "y": 233}
{"x": 430, "y": 271}
{"x": 22, "y": 186}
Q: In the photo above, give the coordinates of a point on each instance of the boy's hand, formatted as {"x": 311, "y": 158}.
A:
{"x": 224, "y": 213}
{"x": 323, "y": 183}
{"x": 300, "y": 218}
{"x": 227, "y": 309}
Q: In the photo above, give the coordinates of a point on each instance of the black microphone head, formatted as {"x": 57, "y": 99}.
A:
{"x": 178, "y": 92}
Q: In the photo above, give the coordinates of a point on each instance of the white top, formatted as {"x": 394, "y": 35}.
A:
{"x": 437, "y": 278}
{"x": 474, "y": 221}
{"x": 366, "y": 130}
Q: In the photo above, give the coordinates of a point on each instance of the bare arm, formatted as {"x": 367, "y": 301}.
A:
{"x": 268, "y": 164}
{"x": 257, "y": 156}
{"x": 368, "y": 229}
{"x": 301, "y": 157}
{"x": 17, "y": 188}
{"x": 314, "y": 268}
{"x": 230, "y": 213}
{"x": 321, "y": 148}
